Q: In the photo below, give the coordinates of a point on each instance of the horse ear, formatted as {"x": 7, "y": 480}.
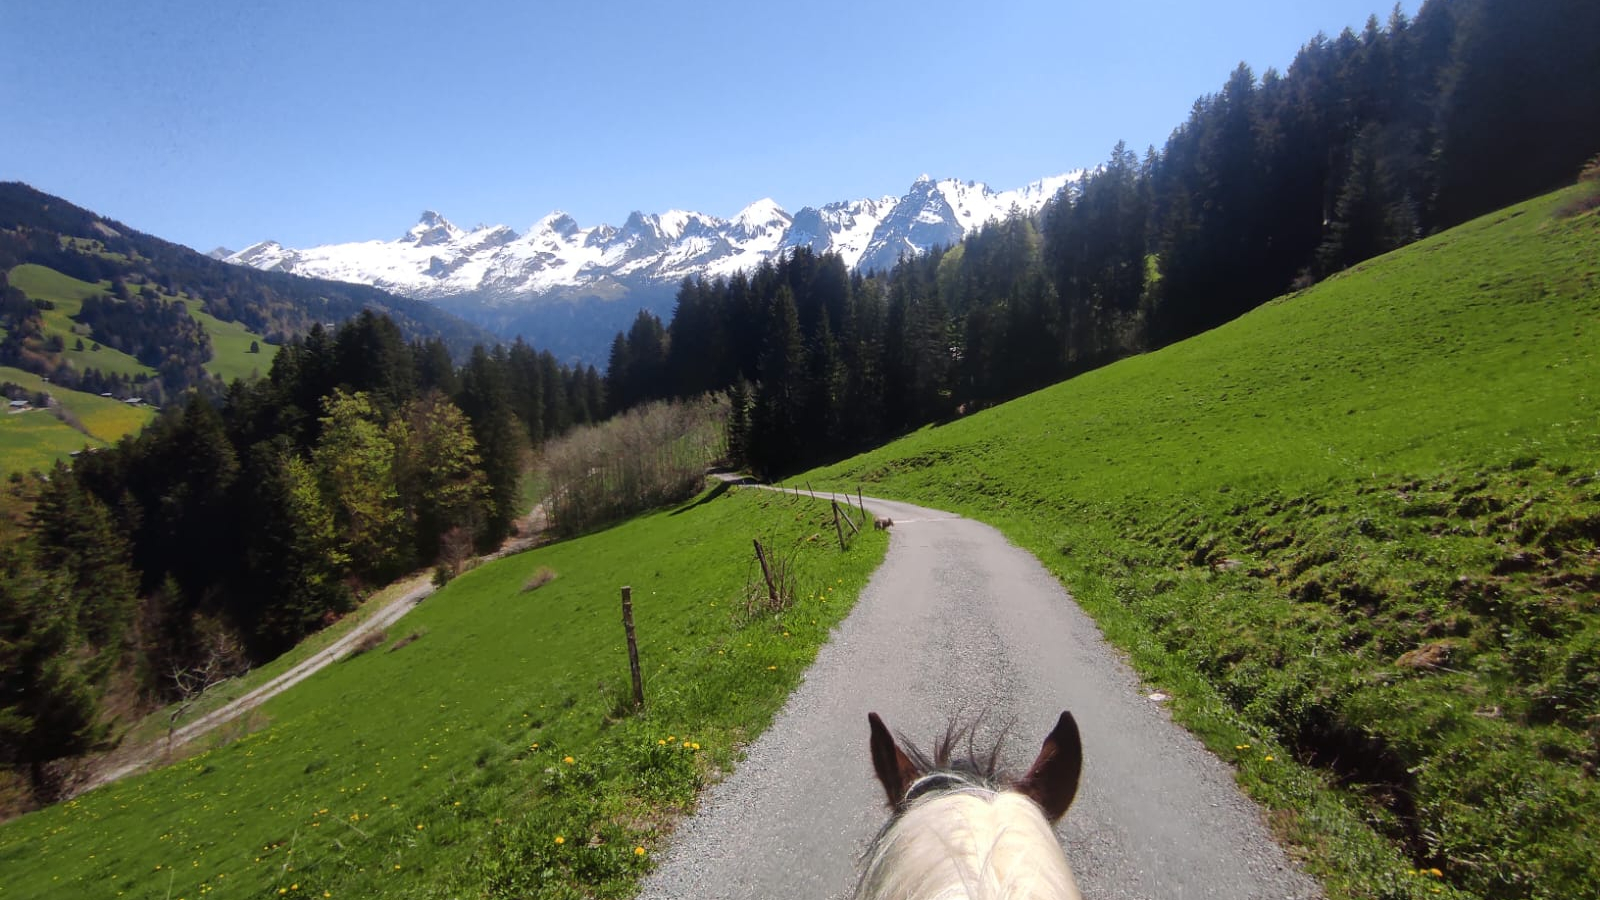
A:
{"x": 1052, "y": 782}
{"x": 895, "y": 770}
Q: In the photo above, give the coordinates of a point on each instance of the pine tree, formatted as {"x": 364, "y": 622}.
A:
{"x": 485, "y": 398}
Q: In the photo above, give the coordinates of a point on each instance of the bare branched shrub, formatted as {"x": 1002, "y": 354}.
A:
{"x": 370, "y": 641}
{"x": 1585, "y": 200}
{"x": 408, "y": 639}
{"x": 762, "y": 600}
{"x": 645, "y": 458}
{"x": 1591, "y": 170}
{"x": 539, "y": 579}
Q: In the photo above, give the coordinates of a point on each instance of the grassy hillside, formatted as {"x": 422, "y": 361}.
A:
{"x": 1355, "y": 533}
{"x": 487, "y": 747}
{"x": 230, "y": 341}
{"x": 68, "y": 294}
{"x": 36, "y": 439}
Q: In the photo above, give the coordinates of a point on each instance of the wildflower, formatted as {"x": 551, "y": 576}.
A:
{"x": 661, "y": 743}
{"x": 638, "y": 851}
{"x": 1269, "y": 757}
{"x": 1241, "y": 746}
{"x": 772, "y": 668}
{"x": 568, "y": 760}
{"x": 419, "y": 826}
{"x": 685, "y": 745}
{"x": 695, "y": 746}
{"x": 1436, "y": 873}
{"x": 534, "y": 746}
{"x": 560, "y": 839}
{"x": 283, "y": 890}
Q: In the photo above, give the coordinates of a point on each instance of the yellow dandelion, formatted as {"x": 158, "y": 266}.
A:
{"x": 283, "y": 890}
{"x": 568, "y": 760}
{"x": 772, "y": 668}
{"x": 661, "y": 743}
{"x": 1436, "y": 873}
{"x": 560, "y": 839}
{"x": 1269, "y": 757}
{"x": 397, "y": 867}
{"x": 695, "y": 746}
{"x": 672, "y": 737}
{"x": 685, "y": 745}
{"x": 638, "y": 851}
{"x": 294, "y": 887}
{"x": 419, "y": 826}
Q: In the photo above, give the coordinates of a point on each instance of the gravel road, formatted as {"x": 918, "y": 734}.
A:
{"x": 142, "y": 758}
{"x": 957, "y": 620}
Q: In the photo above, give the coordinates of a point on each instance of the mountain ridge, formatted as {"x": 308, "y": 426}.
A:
{"x": 558, "y": 259}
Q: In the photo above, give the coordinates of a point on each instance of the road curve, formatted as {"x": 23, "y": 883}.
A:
{"x": 957, "y": 620}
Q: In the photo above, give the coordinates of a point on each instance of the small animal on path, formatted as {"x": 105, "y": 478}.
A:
{"x": 959, "y": 829}
{"x": 883, "y": 523}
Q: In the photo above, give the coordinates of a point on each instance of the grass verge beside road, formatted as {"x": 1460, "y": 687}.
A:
{"x": 488, "y": 747}
{"x": 1354, "y": 533}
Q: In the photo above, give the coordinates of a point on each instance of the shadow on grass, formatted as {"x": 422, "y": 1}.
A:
{"x": 718, "y": 491}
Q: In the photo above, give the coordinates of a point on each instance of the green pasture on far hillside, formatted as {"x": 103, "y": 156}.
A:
{"x": 230, "y": 346}
{"x": 1355, "y": 534}
{"x": 67, "y": 294}
{"x": 230, "y": 341}
{"x": 36, "y": 439}
{"x": 488, "y": 747}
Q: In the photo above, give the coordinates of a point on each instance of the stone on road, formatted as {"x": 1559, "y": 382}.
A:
{"x": 959, "y": 622}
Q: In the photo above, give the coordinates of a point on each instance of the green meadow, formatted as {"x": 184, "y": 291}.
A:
{"x": 68, "y": 294}
{"x": 488, "y": 746}
{"x": 230, "y": 346}
{"x": 1354, "y": 533}
{"x": 230, "y": 341}
{"x": 35, "y": 440}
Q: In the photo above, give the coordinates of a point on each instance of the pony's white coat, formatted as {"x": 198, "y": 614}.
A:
{"x": 969, "y": 844}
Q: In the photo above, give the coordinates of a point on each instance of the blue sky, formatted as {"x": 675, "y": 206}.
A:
{"x": 214, "y": 122}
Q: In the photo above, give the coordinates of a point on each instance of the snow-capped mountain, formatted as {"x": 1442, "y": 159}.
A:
{"x": 507, "y": 281}
{"x": 437, "y": 259}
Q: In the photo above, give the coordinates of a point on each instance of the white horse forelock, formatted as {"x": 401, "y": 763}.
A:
{"x": 969, "y": 843}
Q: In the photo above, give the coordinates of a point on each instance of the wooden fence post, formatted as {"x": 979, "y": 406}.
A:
{"x": 633, "y": 647}
{"x": 836, "y": 526}
{"x": 846, "y": 513}
{"x": 772, "y": 590}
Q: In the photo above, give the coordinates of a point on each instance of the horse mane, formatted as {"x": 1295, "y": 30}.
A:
{"x": 960, "y": 737}
{"x": 961, "y": 832}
